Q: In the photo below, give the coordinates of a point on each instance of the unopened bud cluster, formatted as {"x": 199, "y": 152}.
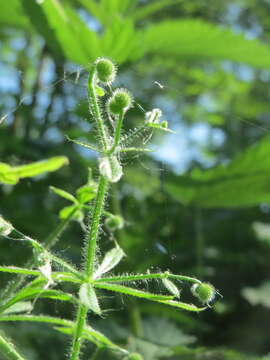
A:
{"x": 119, "y": 102}
{"x": 205, "y": 292}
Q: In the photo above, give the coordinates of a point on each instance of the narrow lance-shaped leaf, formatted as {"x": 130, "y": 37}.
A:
{"x": 64, "y": 194}
{"x": 171, "y": 287}
{"x": 111, "y": 259}
{"x": 88, "y": 298}
{"x": 40, "y": 167}
{"x": 95, "y": 336}
{"x": 133, "y": 292}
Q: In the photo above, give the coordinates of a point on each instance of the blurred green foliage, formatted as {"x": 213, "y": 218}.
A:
{"x": 193, "y": 206}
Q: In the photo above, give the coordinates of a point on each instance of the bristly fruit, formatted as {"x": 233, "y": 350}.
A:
{"x": 205, "y": 292}
{"x": 106, "y": 70}
{"x": 121, "y": 100}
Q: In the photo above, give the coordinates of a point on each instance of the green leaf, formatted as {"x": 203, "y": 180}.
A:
{"x": 195, "y": 39}
{"x": 19, "y": 307}
{"x": 171, "y": 287}
{"x": 40, "y": 167}
{"x": 181, "y": 305}
{"x": 12, "y": 14}
{"x": 90, "y": 333}
{"x": 88, "y": 298}
{"x": 100, "y": 91}
{"x": 29, "y": 293}
{"x": 64, "y": 194}
{"x": 86, "y": 193}
{"x": 63, "y": 30}
{"x": 242, "y": 182}
{"x": 111, "y": 259}
{"x": 66, "y": 211}
{"x": 11, "y": 175}
{"x": 134, "y": 292}
{"x": 148, "y": 9}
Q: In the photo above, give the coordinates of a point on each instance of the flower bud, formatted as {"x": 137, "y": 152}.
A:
{"x": 121, "y": 100}
{"x": 205, "y": 292}
{"x": 106, "y": 70}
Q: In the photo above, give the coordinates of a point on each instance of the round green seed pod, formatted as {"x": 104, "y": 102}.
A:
{"x": 106, "y": 70}
{"x": 121, "y": 100}
{"x": 205, "y": 292}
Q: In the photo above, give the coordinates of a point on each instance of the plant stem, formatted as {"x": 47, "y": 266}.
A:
{"x": 117, "y": 134}
{"x": 93, "y": 233}
{"x": 89, "y": 266}
{"x": 78, "y": 332}
{"x": 125, "y": 278}
{"x": 94, "y": 108}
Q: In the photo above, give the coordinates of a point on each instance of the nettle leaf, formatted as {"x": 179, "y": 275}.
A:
{"x": 88, "y": 298}
{"x": 195, "y": 39}
{"x": 171, "y": 287}
{"x": 133, "y": 292}
{"x": 64, "y": 194}
{"x": 65, "y": 33}
{"x": 111, "y": 259}
{"x": 242, "y": 182}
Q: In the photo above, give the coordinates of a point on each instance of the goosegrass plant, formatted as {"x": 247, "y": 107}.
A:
{"x": 108, "y": 109}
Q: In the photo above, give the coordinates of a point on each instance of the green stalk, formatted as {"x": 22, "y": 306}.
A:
{"x": 127, "y": 278}
{"x": 93, "y": 233}
{"x": 8, "y": 351}
{"x": 89, "y": 266}
{"x": 117, "y": 134}
{"x": 95, "y": 217}
{"x": 95, "y": 110}
{"x": 78, "y": 332}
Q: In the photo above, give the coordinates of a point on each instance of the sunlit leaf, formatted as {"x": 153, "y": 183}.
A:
{"x": 88, "y": 298}
{"x": 64, "y": 194}
{"x": 111, "y": 259}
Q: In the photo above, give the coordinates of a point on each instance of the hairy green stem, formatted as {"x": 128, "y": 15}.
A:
{"x": 117, "y": 134}
{"x": 78, "y": 332}
{"x": 93, "y": 233}
{"x": 95, "y": 110}
{"x": 89, "y": 265}
{"x": 165, "y": 275}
